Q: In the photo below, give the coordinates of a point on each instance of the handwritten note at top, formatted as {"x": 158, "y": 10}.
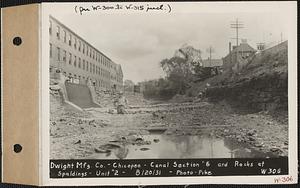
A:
{"x": 84, "y": 9}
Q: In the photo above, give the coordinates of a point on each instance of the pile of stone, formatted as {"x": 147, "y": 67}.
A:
{"x": 106, "y": 99}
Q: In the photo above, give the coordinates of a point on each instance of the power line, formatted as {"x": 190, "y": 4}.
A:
{"x": 237, "y": 25}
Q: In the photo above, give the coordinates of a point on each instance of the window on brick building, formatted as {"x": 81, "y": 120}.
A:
{"x": 75, "y": 43}
{"x": 58, "y": 32}
{"x": 87, "y": 66}
{"x": 79, "y": 45}
{"x": 50, "y": 50}
{"x": 83, "y": 48}
{"x": 70, "y": 58}
{"x": 79, "y": 62}
{"x": 91, "y": 67}
{"x": 70, "y": 39}
{"x": 50, "y": 27}
{"x": 65, "y": 36}
{"x": 58, "y": 53}
{"x": 83, "y": 64}
{"x": 75, "y": 59}
{"x": 65, "y": 56}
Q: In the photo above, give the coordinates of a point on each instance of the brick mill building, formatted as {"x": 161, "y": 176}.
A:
{"x": 79, "y": 61}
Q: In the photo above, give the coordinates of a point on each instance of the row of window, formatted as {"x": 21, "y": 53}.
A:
{"x": 82, "y": 63}
{"x": 80, "y": 46}
{"x": 82, "y": 80}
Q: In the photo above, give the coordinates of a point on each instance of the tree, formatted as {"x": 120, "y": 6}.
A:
{"x": 179, "y": 73}
{"x": 181, "y": 70}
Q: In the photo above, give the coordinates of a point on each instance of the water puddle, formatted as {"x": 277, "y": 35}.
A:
{"x": 174, "y": 146}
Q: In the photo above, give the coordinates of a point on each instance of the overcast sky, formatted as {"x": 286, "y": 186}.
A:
{"x": 140, "y": 41}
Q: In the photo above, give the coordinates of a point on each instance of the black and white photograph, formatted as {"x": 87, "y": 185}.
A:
{"x": 165, "y": 81}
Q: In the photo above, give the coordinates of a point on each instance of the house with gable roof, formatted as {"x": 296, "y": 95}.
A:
{"x": 238, "y": 56}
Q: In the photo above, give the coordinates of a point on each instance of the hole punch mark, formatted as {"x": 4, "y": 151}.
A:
{"x": 17, "y": 41}
{"x": 17, "y": 148}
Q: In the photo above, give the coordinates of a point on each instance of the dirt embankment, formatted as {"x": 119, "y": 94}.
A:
{"x": 261, "y": 85}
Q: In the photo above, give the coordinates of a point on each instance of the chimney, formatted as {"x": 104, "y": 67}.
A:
{"x": 229, "y": 47}
{"x": 244, "y": 41}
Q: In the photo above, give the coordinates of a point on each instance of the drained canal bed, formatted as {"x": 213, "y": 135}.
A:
{"x": 173, "y": 146}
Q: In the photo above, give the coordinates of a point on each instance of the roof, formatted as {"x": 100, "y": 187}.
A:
{"x": 212, "y": 62}
{"x": 243, "y": 47}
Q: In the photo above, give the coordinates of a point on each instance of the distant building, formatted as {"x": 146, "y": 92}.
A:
{"x": 148, "y": 85}
{"x": 128, "y": 85}
{"x": 238, "y": 56}
{"x": 261, "y": 46}
{"x": 79, "y": 60}
{"x": 142, "y": 86}
{"x": 214, "y": 64}
{"x": 116, "y": 77}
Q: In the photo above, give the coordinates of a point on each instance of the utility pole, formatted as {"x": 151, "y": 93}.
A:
{"x": 237, "y": 25}
{"x": 210, "y": 50}
{"x": 210, "y": 55}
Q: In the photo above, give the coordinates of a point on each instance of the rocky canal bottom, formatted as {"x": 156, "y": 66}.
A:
{"x": 165, "y": 130}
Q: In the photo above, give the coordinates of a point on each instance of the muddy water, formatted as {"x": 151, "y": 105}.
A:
{"x": 170, "y": 146}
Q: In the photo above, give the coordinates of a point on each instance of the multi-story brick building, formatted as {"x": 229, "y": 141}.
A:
{"x": 80, "y": 61}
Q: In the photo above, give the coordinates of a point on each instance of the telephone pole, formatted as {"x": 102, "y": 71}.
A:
{"x": 237, "y": 25}
{"x": 210, "y": 50}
